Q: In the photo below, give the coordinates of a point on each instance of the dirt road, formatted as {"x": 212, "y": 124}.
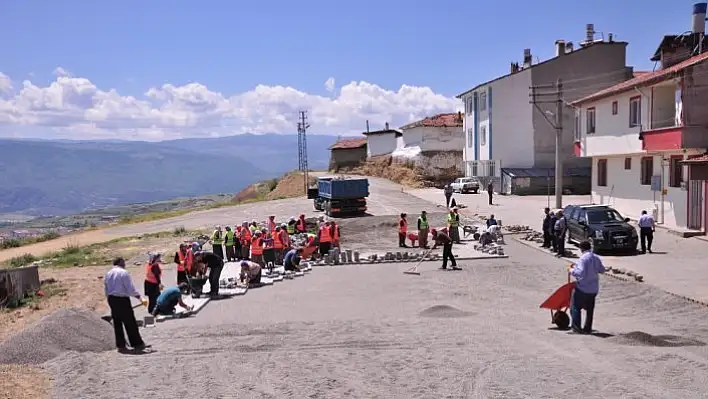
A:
{"x": 371, "y": 331}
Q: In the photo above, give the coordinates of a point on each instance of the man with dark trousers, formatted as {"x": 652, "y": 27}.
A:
{"x": 448, "y": 195}
{"x": 560, "y": 229}
{"x": 119, "y": 287}
{"x": 646, "y": 231}
{"x": 586, "y": 272}
{"x": 215, "y": 264}
{"x": 440, "y": 238}
{"x": 402, "y": 231}
{"x": 490, "y": 191}
{"x": 551, "y": 232}
{"x": 546, "y": 228}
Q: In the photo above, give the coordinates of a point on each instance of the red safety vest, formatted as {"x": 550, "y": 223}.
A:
{"x": 180, "y": 266}
{"x": 325, "y": 234}
{"x": 335, "y": 233}
{"x": 271, "y": 226}
{"x": 257, "y": 246}
{"x": 403, "y": 226}
{"x": 149, "y": 275}
{"x": 246, "y": 236}
{"x": 285, "y": 238}
{"x": 301, "y": 226}
{"x": 277, "y": 240}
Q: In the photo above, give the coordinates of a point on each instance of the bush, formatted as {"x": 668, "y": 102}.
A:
{"x": 22, "y": 260}
{"x": 178, "y": 231}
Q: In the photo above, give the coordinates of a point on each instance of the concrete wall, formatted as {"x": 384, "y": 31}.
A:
{"x": 439, "y": 165}
{"x": 629, "y": 197}
{"x": 380, "y": 144}
{"x": 612, "y": 132}
{"x": 694, "y": 98}
{"x": 583, "y": 72}
{"x": 433, "y": 138}
{"x": 346, "y": 158}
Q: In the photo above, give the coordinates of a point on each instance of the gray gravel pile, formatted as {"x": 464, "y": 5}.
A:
{"x": 62, "y": 331}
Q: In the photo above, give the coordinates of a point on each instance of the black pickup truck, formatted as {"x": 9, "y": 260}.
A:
{"x": 603, "y": 226}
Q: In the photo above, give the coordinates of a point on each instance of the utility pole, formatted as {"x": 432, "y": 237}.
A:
{"x": 552, "y": 94}
{"x": 302, "y": 127}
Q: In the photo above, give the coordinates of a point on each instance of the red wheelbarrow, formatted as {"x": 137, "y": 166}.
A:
{"x": 559, "y": 302}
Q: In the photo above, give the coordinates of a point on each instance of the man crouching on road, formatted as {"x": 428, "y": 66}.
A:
{"x": 169, "y": 299}
{"x": 251, "y": 274}
{"x": 586, "y": 272}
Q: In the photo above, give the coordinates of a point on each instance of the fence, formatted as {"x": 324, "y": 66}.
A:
{"x": 485, "y": 168}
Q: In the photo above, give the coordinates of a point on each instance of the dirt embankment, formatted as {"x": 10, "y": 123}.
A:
{"x": 290, "y": 185}
{"x": 397, "y": 171}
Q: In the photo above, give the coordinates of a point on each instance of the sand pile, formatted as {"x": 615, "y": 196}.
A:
{"x": 62, "y": 331}
{"x": 290, "y": 185}
{"x": 444, "y": 311}
{"x": 639, "y": 338}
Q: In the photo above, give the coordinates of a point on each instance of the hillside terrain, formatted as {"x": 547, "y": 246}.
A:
{"x": 65, "y": 177}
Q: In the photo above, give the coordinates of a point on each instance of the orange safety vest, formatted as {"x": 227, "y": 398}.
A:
{"x": 149, "y": 275}
{"x": 180, "y": 266}
{"x": 271, "y": 226}
{"x": 189, "y": 260}
{"x": 277, "y": 240}
{"x": 285, "y": 238}
{"x": 246, "y": 236}
{"x": 403, "y": 226}
{"x": 336, "y": 233}
{"x": 300, "y": 225}
{"x": 325, "y": 234}
{"x": 257, "y": 246}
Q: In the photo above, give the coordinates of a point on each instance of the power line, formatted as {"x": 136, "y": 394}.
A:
{"x": 302, "y": 127}
{"x": 552, "y": 94}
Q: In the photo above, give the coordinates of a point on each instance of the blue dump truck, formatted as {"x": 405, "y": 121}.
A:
{"x": 338, "y": 196}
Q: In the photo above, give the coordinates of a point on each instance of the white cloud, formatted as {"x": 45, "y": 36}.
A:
{"x": 329, "y": 84}
{"x": 59, "y": 72}
{"x": 5, "y": 83}
{"x": 73, "y": 107}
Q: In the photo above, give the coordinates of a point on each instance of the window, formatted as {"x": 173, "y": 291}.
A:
{"x": 581, "y": 215}
{"x": 469, "y": 105}
{"x": 483, "y": 135}
{"x": 675, "y": 171}
{"x": 482, "y": 101}
{"x": 470, "y": 137}
{"x": 604, "y": 216}
{"x": 602, "y": 172}
{"x": 628, "y": 163}
{"x": 576, "y": 128}
{"x": 635, "y": 112}
{"x": 590, "y": 120}
{"x": 615, "y": 108}
{"x": 647, "y": 171}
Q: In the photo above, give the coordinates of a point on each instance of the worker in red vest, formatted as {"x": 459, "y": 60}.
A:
{"x": 334, "y": 232}
{"x": 301, "y": 225}
{"x": 278, "y": 245}
{"x": 271, "y": 224}
{"x": 257, "y": 248}
{"x": 402, "y": 231}
{"x": 183, "y": 259}
{"x": 325, "y": 238}
{"x": 285, "y": 238}
{"x": 245, "y": 237}
{"x": 153, "y": 280}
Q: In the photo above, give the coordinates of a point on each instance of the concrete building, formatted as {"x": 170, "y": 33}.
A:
{"x": 645, "y": 138}
{"x": 504, "y": 130}
{"x": 434, "y": 145}
{"x": 347, "y": 153}
{"x": 381, "y": 142}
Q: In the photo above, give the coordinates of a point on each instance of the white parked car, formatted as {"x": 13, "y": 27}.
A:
{"x": 465, "y": 185}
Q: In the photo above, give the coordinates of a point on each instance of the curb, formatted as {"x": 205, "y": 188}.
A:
{"x": 627, "y": 280}
{"x": 411, "y": 260}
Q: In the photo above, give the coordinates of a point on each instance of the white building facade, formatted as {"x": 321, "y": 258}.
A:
{"x": 381, "y": 142}
{"x": 638, "y": 133}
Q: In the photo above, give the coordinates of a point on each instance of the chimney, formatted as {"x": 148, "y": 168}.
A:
{"x": 610, "y": 38}
{"x": 590, "y": 33}
{"x": 386, "y": 126}
{"x": 367, "y": 126}
{"x": 569, "y": 47}
{"x": 560, "y": 47}
{"x": 514, "y": 67}
{"x": 527, "y": 57}
{"x": 698, "y": 21}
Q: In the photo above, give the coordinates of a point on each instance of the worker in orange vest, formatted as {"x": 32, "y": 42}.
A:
{"x": 183, "y": 259}
{"x": 402, "y": 231}
{"x": 334, "y": 232}
{"x": 271, "y": 224}
{"x": 325, "y": 238}
{"x": 245, "y": 237}
{"x": 278, "y": 245}
{"x": 301, "y": 225}
{"x": 285, "y": 238}
{"x": 257, "y": 248}
{"x": 153, "y": 280}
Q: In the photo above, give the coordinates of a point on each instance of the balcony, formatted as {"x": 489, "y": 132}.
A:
{"x": 665, "y": 131}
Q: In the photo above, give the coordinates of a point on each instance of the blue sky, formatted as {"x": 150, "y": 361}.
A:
{"x": 230, "y": 47}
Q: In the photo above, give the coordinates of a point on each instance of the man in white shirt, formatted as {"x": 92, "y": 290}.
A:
{"x": 646, "y": 231}
{"x": 119, "y": 287}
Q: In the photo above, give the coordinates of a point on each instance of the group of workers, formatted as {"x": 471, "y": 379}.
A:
{"x": 554, "y": 230}
{"x": 444, "y": 237}
{"x": 254, "y": 245}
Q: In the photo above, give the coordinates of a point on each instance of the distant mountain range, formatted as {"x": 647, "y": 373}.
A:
{"x": 47, "y": 177}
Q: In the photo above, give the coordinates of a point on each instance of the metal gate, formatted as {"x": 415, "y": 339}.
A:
{"x": 695, "y": 204}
